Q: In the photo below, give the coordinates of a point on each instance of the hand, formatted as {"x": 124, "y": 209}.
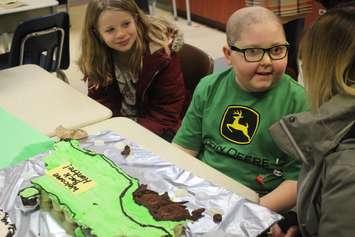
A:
{"x": 277, "y": 232}
{"x": 92, "y": 86}
{"x": 167, "y": 50}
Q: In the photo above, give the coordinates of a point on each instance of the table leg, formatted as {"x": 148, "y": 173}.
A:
{"x": 152, "y": 7}
{"x": 188, "y": 13}
{"x": 53, "y": 9}
{"x": 174, "y": 10}
{"x": 5, "y": 42}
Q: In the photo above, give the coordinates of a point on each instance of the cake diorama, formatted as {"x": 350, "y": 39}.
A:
{"x": 91, "y": 196}
{"x": 6, "y": 228}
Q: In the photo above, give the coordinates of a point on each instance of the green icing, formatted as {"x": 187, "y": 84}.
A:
{"x": 29, "y": 192}
{"x": 78, "y": 232}
{"x": 107, "y": 208}
{"x": 19, "y": 141}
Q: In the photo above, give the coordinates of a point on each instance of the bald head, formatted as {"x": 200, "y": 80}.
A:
{"x": 246, "y": 17}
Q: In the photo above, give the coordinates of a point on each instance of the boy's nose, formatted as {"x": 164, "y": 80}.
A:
{"x": 266, "y": 59}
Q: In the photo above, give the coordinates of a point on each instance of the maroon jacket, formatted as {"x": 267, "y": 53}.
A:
{"x": 160, "y": 94}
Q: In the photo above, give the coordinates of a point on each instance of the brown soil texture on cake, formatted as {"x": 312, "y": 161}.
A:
{"x": 162, "y": 208}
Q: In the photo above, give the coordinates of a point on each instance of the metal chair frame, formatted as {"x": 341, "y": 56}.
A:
{"x": 40, "y": 33}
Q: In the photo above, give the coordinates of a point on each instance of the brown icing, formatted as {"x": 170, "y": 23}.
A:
{"x": 162, "y": 208}
{"x": 217, "y": 218}
{"x": 126, "y": 151}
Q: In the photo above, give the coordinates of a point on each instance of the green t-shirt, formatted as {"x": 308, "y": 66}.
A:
{"x": 229, "y": 128}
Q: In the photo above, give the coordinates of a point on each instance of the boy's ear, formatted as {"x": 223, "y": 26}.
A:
{"x": 227, "y": 53}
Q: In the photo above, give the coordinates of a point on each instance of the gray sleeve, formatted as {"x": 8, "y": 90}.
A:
{"x": 338, "y": 196}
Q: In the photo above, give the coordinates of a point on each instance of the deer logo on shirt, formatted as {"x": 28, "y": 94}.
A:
{"x": 239, "y": 124}
{"x": 236, "y": 125}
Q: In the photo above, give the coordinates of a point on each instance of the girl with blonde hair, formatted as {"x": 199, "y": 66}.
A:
{"x": 129, "y": 60}
{"x": 324, "y": 139}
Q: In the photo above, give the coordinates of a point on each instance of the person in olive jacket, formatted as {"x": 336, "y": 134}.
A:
{"x": 324, "y": 139}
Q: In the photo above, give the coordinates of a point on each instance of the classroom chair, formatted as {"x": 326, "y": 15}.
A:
{"x": 43, "y": 41}
{"x": 143, "y": 4}
{"x": 195, "y": 64}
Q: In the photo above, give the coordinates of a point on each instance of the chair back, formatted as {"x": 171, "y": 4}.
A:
{"x": 195, "y": 65}
{"x": 43, "y": 41}
{"x": 143, "y": 5}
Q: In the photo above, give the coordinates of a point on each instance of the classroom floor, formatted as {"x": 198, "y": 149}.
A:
{"x": 208, "y": 39}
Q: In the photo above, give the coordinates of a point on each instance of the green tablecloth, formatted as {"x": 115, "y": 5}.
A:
{"x": 19, "y": 141}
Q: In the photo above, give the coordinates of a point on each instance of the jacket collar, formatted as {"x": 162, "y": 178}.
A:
{"x": 308, "y": 135}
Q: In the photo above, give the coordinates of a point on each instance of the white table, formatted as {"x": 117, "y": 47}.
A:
{"x": 149, "y": 141}
{"x": 45, "y": 102}
{"x": 30, "y": 5}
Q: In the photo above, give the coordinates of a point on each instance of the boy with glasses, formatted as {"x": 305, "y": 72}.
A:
{"x": 292, "y": 14}
{"x": 227, "y": 122}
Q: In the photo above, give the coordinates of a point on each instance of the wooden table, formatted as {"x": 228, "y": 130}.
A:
{"x": 149, "y": 141}
{"x": 45, "y": 102}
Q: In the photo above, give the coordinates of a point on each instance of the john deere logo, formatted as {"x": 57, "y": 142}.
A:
{"x": 239, "y": 124}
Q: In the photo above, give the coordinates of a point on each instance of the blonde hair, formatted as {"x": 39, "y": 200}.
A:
{"x": 327, "y": 52}
{"x": 96, "y": 60}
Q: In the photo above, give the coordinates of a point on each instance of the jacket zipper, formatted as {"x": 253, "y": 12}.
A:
{"x": 149, "y": 84}
{"x": 307, "y": 177}
{"x": 293, "y": 142}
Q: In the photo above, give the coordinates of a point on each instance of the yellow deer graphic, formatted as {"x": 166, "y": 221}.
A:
{"x": 237, "y": 126}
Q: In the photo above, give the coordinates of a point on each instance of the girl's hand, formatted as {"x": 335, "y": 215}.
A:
{"x": 277, "y": 232}
{"x": 93, "y": 86}
{"x": 167, "y": 50}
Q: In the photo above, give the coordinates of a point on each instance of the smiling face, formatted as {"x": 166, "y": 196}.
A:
{"x": 117, "y": 29}
{"x": 258, "y": 76}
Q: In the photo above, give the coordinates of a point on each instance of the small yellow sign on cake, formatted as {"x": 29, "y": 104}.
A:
{"x": 72, "y": 178}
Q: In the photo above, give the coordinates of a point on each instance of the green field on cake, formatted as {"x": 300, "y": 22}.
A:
{"x": 98, "y": 194}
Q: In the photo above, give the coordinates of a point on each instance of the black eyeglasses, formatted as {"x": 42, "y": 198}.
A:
{"x": 276, "y": 52}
